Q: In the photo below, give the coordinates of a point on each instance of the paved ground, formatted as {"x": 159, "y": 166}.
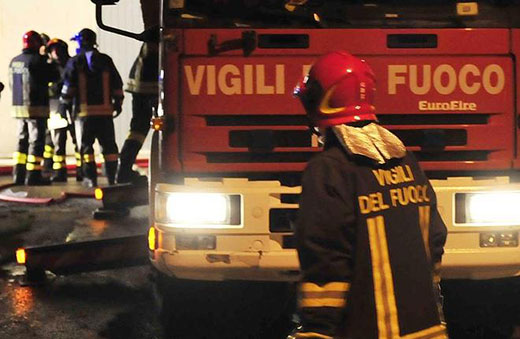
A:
{"x": 117, "y": 303}
{"x": 104, "y": 304}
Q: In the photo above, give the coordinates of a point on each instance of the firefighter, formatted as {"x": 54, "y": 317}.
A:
{"x": 92, "y": 81}
{"x": 48, "y": 149}
{"x": 29, "y": 75}
{"x": 142, "y": 83}
{"x": 59, "y": 126}
{"x": 368, "y": 233}
{"x": 43, "y": 47}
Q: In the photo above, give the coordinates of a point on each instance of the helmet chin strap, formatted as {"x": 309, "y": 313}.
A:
{"x": 319, "y": 132}
{"x": 315, "y": 130}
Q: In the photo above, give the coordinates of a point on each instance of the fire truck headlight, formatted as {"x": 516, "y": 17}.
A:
{"x": 198, "y": 210}
{"x": 488, "y": 209}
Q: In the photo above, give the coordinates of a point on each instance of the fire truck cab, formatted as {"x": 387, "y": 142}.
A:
{"x": 234, "y": 141}
{"x": 231, "y": 141}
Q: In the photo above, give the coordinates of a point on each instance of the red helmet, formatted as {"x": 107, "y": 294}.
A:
{"x": 339, "y": 89}
{"x": 32, "y": 40}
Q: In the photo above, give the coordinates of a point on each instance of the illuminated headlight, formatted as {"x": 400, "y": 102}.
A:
{"x": 198, "y": 210}
{"x": 488, "y": 209}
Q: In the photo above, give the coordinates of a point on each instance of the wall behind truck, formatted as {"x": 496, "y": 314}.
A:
{"x": 63, "y": 19}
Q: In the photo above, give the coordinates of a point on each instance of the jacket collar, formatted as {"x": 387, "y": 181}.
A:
{"x": 372, "y": 141}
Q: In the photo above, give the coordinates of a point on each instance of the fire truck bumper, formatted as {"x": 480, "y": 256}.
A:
{"x": 217, "y": 265}
{"x": 481, "y": 263}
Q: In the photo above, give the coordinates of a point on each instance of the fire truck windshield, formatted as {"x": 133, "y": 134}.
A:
{"x": 343, "y": 14}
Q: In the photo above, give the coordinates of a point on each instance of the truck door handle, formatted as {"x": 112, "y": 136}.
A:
{"x": 247, "y": 44}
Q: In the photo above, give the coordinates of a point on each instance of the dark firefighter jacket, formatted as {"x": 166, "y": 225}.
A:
{"x": 369, "y": 240}
{"x": 94, "y": 88}
{"x": 56, "y": 86}
{"x": 29, "y": 75}
{"x": 144, "y": 74}
{"x": 150, "y": 13}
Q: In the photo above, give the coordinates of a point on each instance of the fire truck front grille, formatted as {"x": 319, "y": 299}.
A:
{"x": 256, "y": 120}
{"x": 433, "y": 119}
{"x": 452, "y": 156}
{"x": 280, "y": 138}
{"x": 432, "y": 137}
{"x": 259, "y": 157}
{"x": 384, "y": 119}
{"x": 283, "y": 143}
{"x": 258, "y": 140}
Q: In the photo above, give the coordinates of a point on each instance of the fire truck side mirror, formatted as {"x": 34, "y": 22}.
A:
{"x": 143, "y": 36}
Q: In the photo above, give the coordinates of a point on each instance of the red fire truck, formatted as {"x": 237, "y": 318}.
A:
{"x": 230, "y": 142}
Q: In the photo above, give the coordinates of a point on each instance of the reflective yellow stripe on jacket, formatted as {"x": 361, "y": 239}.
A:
{"x": 332, "y": 294}
{"x": 94, "y": 110}
{"x": 145, "y": 87}
{"x": 386, "y": 308}
{"x": 24, "y": 112}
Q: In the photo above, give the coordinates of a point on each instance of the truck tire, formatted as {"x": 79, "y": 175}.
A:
{"x": 223, "y": 309}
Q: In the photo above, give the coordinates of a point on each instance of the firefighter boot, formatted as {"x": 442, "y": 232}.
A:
{"x": 79, "y": 174}
{"x": 89, "y": 170}
{"x": 35, "y": 178}
{"x": 19, "y": 172}
{"x": 47, "y": 165}
{"x": 60, "y": 175}
{"x": 110, "y": 171}
{"x": 127, "y": 157}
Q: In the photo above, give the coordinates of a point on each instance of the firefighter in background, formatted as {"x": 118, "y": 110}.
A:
{"x": 43, "y": 47}
{"x": 143, "y": 84}
{"x": 59, "y": 125}
{"x": 369, "y": 236}
{"x": 29, "y": 75}
{"x": 48, "y": 150}
{"x": 93, "y": 85}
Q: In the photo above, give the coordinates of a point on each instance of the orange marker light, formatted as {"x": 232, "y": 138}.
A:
{"x": 157, "y": 123}
{"x": 20, "y": 256}
{"x": 98, "y": 193}
{"x": 151, "y": 239}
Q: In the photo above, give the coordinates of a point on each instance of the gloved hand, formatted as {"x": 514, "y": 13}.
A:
{"x": 117, "y": 105}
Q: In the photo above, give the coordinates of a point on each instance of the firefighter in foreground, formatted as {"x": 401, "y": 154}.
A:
{"x": 29, "y": 75}
{"x": 59, "y": 125}
{"x": 142, "y": 83}
{"x": 369, "y": 237}
{"x": 94, "y": 87}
